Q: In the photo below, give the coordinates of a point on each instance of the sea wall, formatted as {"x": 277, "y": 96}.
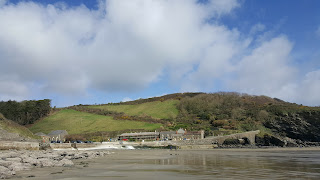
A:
{"x": 7, "y": 145}
{"x": 60, "y": 145}
{"x": 206, "y": 143}
{"x": 72, "y": 145}
{"x": 250, "y": 135}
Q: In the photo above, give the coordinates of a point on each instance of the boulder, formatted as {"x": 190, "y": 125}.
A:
{"x": 17, "y": 166}
{"x": 5, "y": 163}
{"x": 5, "y": 172}
{"x": 16, "y": 159}
{"x": 66, "y": 162}
{"x": 46, "y": 162}
{"x": 32, "y": 161}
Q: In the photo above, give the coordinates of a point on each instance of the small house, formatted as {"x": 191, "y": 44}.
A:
{"x": 58, "y": 135}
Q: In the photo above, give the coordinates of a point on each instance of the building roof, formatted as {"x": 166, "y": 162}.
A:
{"x": 181, "y": 131}
{"x": 57, "y": 132}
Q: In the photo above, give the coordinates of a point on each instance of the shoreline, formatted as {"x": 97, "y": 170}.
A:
{"x": 266, "y": 148}
{"x": 19, "y": 163}
{"x": 122, "y": 163}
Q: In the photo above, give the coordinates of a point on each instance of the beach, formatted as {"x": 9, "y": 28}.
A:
{"x": 270, "y": 163}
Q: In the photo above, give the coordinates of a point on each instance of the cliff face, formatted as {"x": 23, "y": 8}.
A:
{"x": 304, "y": 125}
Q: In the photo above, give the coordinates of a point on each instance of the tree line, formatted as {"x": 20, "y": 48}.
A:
{"x": 25, "y": 112}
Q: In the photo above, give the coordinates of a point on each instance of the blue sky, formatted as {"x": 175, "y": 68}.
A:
{"x": 87, "y": 52}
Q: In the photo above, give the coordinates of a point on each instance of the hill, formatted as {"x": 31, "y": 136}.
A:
{"x": 224, "y": 113}
{"x": 216, "y": 113}
{"x": 12, "y": 131}
{"x": 155, "y": 109}
{"x": 76, "y": 122}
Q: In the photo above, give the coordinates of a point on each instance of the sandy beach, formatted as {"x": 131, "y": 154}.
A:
{"x": 282, "y": 163}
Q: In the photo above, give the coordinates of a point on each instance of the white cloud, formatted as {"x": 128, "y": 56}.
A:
{"x": 216, "y": 61}
{"x": 11, "y": 89}
{"x": 127, "y": 45}
{"x": 308, "y": 90}
{"x": 266, "y": 69}
{"x": 67, "y": 50}
{"x": 221, "y": 7}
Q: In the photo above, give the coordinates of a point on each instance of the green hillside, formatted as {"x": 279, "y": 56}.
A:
{"x": 217, "y": 113}
{"x": 12, "y": 127}
{"x": 80, "y": 122}
{"x": 157, "y": 109}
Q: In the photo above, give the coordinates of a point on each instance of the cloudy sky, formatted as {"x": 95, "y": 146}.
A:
{"x": 77, "y": 51}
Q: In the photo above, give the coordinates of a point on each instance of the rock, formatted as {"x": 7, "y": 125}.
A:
{"x": 5, "y": 163}
{"x": 17, "y": 159}
{"x": 46, "y": 162}
{"x": 5, "y": 172}
{"x": 302, "y": 125}
{"x": 32, "y": 161}
{"x": 44, "y": 146}
{"x": 269, "y": 140}
{"x": 16, "y": 166}
{"x": 12, "y": 161}
{"x": 66, "y": 163}
{"x": 9, "y": 154}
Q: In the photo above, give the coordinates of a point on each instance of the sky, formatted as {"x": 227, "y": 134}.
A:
{"x": 96, "y": 52}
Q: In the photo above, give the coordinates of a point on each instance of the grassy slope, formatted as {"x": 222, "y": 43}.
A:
{"x": 79, "y": 122}
{"x": 13, "y": 127}
{"x": 157, "y": 109}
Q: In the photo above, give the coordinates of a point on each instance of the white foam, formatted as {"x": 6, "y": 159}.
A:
{"x": 129, "y": 147}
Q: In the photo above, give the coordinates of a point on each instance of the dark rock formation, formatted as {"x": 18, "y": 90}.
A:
{"x": 304, "y": 126}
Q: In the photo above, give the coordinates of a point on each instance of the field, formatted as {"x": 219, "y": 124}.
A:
{"x": 80, "y": 122}
{"x": 157, "y": 109}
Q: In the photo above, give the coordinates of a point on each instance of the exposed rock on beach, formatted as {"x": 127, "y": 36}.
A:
{"x": 13, "y": 161}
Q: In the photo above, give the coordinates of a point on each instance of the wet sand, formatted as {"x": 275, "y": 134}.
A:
{"x": 274, "y": 163}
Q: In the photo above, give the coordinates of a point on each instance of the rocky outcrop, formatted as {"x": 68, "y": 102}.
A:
{"x": 13, "y": 161}
{"x": 303, "y": 126}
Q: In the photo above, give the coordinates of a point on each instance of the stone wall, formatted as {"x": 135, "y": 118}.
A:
{"x": 220, "y": 139}
{"x": 6, "y": 145}
{"x": 72, "y": 145}
{"x": 60, "y": 145}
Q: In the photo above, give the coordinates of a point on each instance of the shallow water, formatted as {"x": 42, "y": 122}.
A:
{"x": 213, "y": 164}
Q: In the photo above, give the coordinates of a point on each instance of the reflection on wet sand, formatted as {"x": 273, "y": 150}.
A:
{"x": 214, "y": 164}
